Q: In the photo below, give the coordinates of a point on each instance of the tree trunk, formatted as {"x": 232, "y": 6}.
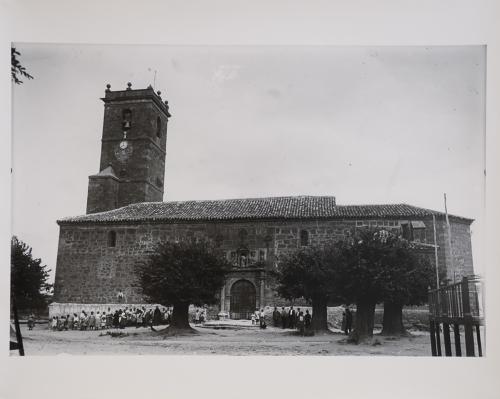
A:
{"x": 319, "y": 320}
{"x": 363, "y": 327}
{"x": 393, "y": 319}
{"x": 180, "y": 317}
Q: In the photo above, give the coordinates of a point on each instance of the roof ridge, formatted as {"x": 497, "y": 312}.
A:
{"x": 385, "y": 204}
{"x": 239, "y": 199}
{"x": 289, "y": 207}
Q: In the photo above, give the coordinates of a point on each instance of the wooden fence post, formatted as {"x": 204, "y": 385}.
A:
{"x": 469, "y": 334}
{"x": 478, "y": 334}
{"x": 438, "y": 338}
{"x": 447, "y": 341}
{"x": 433, "y": 337}
{"x": 456, "y": 333}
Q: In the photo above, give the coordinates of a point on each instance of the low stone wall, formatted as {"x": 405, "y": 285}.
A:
{"x": 63, "y": 309}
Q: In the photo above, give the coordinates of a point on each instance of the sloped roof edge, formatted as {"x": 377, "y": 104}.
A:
{"x": 269, "y": 208}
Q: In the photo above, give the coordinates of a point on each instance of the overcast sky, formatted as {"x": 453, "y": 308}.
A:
{"x": 366, "y": 124}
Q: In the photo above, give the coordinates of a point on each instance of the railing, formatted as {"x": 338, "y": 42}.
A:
{"x": 459, "y": 305}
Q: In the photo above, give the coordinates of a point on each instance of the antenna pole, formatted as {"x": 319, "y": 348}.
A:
{"x": 435, "y": 251}
{"x": 449, "y": 238}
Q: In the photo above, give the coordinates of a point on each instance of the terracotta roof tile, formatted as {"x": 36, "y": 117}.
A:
{"x": 300, "y": 207}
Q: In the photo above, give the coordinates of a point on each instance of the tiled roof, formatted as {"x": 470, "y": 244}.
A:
{"x": 108, "y": 171}
{"x": 301, "y": 207}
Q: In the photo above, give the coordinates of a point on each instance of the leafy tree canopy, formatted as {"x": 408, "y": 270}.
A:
{"x": 16, "y": 69}
{"x": 383, "y": 266}
{"x": 183, "y": 272}
{"x": 408, "y": 274}
{"x": 310, "y": 272}
{"x": 29, "y": 278}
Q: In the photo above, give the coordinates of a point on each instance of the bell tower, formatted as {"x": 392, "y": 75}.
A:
{"x": 133, "y": 150}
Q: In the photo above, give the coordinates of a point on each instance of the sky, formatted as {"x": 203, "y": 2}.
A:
{"x": 368, "y": 125}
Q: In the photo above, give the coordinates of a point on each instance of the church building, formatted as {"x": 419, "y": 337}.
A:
{"x": 126, "y": 217}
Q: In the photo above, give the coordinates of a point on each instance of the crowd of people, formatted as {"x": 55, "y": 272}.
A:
{"x": 120, "y": 318}
{"x": 141, "y": 317}
{"x": 200, "y": 316}
{"x": 258, "y": 317}
{"x": 291, "y": 318}
{"x": 297, "y": 319}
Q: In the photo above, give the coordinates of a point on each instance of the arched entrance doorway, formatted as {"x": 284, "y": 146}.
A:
{"x": 243, "y": 300}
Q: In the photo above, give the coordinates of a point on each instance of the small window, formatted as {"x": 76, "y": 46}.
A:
{"x": 126, "y": 119}
{"x": 158, "y": 127}
{"x": 304, "y": 238}
{"x": 406, "y": 231}
{"x": 418, "y": 228}
{"x": 112, "y": 239}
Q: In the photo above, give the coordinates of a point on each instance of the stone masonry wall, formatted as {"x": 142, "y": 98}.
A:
{"x": 90, "y": 271}
{"x": 461, "y": 250}
{"x": 102, "y": 193}
{"x": 141, "y": 166}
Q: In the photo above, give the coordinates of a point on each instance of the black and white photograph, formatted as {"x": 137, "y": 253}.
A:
{"x": 280, "y": 199}
{"x": 312, "y": 200}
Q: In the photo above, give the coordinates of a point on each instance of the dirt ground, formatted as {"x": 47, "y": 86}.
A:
{"x": 233, "y": 340}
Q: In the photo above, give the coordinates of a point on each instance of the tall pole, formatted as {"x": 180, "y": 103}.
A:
{"x": 449, "y": 237}
{"x": 435, "y": 251}
{"x": 19, "y": 337}
{"x": 437, "y": 267}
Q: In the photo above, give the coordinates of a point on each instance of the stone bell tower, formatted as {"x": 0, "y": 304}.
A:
{"x": 133, "y": 150}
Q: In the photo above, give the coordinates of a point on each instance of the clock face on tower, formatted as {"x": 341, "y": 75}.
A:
{"x": 123, "y": 151}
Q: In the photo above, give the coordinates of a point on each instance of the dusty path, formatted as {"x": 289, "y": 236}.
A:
{"x": 248, "y": 341}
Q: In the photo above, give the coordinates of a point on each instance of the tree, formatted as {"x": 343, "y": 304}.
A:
{"x": 16, "y": 69}
{"x": 408, "y": 279}
{"x": 29, "y": 278}
{"x": 311, "y": 273}
{"x": 383, "y": 267}
{"x": 182, "y": 273}
{"x": 364, "y": 277}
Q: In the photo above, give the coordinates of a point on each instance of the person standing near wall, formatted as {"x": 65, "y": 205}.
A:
{"x": 348, "y": 320}
{"x": 307, "y": 321}
{"x": 284, "y": 318}
{"x": 301, "y": 323}
{"x": 291, "y": 318}
{"x": 31, "y": 321}
{"x": 276, "y": 317}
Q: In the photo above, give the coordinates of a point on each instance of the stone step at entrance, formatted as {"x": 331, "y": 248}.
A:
{"x": 229, "y": 324}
